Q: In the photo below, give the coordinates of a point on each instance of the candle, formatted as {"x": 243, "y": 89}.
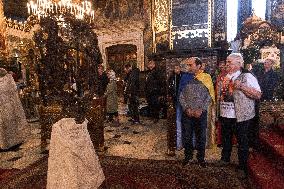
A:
{"x": 56, "y": 7}
{"x": 29, "y": 9}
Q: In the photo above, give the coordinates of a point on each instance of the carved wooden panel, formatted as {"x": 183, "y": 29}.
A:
{"x": 220, "y": 15}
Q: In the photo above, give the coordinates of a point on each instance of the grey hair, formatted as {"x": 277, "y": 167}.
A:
{"x": 238, "y": 57}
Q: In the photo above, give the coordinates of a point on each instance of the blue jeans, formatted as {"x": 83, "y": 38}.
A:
{"x": 198, "y": 127}
{"x": 229, "y": 127}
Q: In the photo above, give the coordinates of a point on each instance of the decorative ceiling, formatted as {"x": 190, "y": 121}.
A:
{"x": 16, "y": 9}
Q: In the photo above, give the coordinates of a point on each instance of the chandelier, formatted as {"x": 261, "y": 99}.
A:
{"x": 44, "y": 8}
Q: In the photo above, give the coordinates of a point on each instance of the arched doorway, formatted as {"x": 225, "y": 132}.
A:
{"x": 117, "y": 56}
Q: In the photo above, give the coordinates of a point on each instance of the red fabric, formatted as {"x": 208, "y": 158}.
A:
{"x": 263, "y": 173}
{"x": 5, "y": 173}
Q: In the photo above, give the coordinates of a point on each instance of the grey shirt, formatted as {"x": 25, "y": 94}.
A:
{"x": 195, "y": 96}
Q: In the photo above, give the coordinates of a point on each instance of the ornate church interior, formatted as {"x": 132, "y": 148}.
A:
{"x": 141, "y": 94}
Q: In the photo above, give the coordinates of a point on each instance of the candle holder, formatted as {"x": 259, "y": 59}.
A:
{"x": 45, "y": 8}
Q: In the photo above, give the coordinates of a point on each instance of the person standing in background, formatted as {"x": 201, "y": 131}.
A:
{"x": 268, "y": 81}
{"x": 186, "y": 77}
{"x": 112, "y": 99}
{"x": 102, "y": 81}
{"x": 173, "y": 84}
{"x": 173, "y": 87}
{"x": 222, "y": 72}
{"x": 154, "y": 88}
{"x": 132, "y": 91}
{"x": 206, "y": 80}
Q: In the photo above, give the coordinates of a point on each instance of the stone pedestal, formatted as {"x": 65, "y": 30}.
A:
{"x": 72, "y": 161}
{"x": 13, "y": 124}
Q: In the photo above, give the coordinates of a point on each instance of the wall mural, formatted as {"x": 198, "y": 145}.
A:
{"x": 161, "y": 25}
{"x": 120, "y": 9}
{"x": 124, "y": 22}
{"x": 190, "y": 28}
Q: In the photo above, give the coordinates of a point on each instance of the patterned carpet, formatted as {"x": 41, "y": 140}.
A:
{"x": 136, "y": 174}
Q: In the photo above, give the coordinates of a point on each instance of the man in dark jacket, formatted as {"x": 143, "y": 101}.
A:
{"x": 173, "y": 84}
{"x": 268, "y": 80}
{"x": 132, "y": 91}
{"x": 154, "y": 89}
{"x": 102, "y": 81}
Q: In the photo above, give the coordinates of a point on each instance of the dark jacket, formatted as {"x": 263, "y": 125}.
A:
{"x": 173, "y": 86}
{"x": 268, "y": 82}
{"x": 132, "y": 85}
{"x": 155, "y": 83}
{"x": 102, "y": 84}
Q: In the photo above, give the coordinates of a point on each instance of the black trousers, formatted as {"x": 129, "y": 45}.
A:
{"x": 230, "y": 126}
{"x": 112, "y": 115}
{"x": 154, "y": 105}
{"x": 133, "y": 106}
{"x": 197, "y": 126}
{"x": 254, "y": 128}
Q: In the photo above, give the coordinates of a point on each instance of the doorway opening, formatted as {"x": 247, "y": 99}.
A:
{"x": 119, "y": 55}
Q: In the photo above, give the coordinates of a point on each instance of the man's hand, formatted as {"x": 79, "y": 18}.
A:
{"x": 237, "y": 84}
{"x": 197, "y": 113}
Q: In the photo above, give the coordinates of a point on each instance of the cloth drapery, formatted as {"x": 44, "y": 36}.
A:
{"x": 13, "y": 123}
{"x": 73, "y": 162}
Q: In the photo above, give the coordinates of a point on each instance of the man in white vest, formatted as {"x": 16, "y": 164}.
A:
{"x": 238, "y": 91}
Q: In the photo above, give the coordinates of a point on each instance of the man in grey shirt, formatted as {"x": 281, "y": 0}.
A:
{"x": 194, "y": 99}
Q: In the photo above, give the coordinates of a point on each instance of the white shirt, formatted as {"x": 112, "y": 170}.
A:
{"x": 227, "y": 109}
